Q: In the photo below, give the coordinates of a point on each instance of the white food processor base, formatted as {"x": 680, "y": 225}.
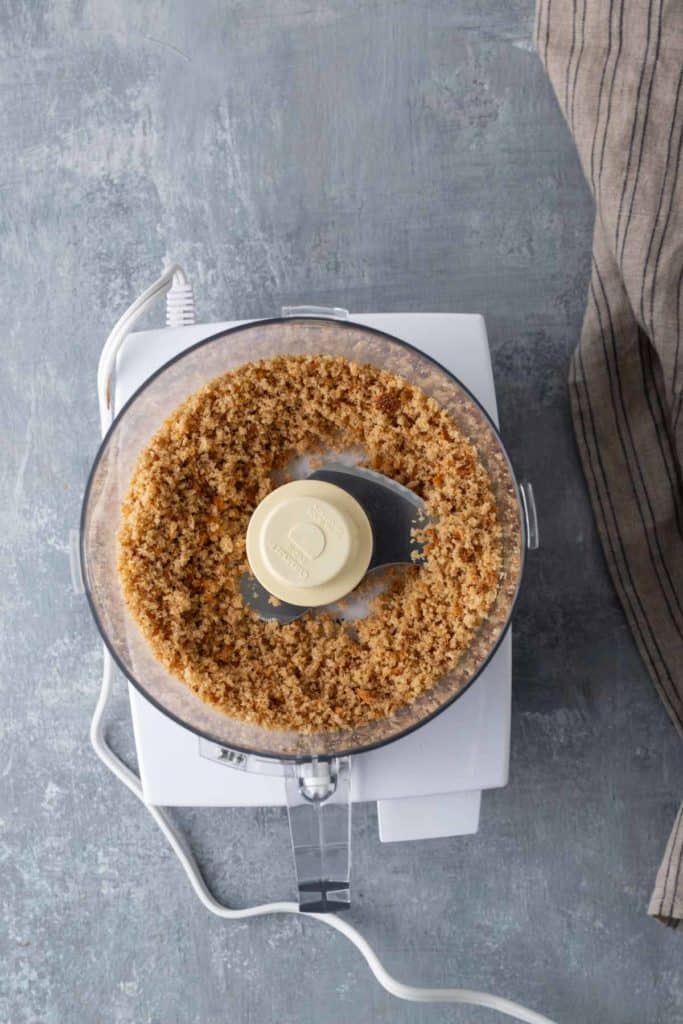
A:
{"x": 427, "y": 784}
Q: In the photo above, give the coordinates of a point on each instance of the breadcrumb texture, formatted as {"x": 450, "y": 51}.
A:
{"x": 181, "y": 545}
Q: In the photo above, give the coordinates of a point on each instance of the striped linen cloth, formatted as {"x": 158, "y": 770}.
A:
{"x": 617, "y": 68}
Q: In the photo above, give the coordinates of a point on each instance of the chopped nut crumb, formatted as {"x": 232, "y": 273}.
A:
{"x": 182, "y": 544}
{"x": 389, "y": 402}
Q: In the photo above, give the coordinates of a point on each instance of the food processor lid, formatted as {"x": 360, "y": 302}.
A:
{"x": 132, "y": 431}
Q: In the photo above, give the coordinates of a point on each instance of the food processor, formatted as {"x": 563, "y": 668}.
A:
{"x": 311, "y": 771}
{"x": 316, "y": 766}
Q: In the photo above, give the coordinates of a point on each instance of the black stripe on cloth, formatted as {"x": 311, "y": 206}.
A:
{"x": 636, "y": 112}
{"x": 611, "y": 90}
{"x": 547, "y": 32}
{"x": 660, "y": 203}
{"x": 677, "y": 823}
{"x": 569, "y": 60}
{"x": 618, "y": 560}
{"x": 602, "y": 84}
{"x": 578, "y": 63}
{"x": 668, "y": 214}
{"x": 674, "y": 374}
{"x": 650, "y": 387}
{"x": 629, "y": 593}
{"x": 616, "y": 378}
{"x": 579, "y": 60}
{"x": 643, "y": 133}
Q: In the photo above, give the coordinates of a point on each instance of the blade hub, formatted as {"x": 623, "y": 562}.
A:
{"x": 309, "y": 543}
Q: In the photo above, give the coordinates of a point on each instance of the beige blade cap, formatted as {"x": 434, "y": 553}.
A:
{"x": 309, "y": 543}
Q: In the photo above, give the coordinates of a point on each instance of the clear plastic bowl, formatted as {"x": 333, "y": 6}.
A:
{"x": 141, "y": 418}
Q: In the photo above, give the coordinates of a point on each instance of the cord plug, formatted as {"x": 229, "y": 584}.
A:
{"x": 180, "y": 302}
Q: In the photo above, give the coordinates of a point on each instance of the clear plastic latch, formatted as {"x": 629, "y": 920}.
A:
{"x": 75, "y": 562}
{"x": 319, "y": 805}
{"x": 530, "y": 516}
{"x": 329, "y": 312}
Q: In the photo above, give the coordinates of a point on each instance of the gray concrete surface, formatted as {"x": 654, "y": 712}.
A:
{"x": 381, "y": 156}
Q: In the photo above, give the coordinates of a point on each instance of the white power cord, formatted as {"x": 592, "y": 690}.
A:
{"x": 180, "y": 312}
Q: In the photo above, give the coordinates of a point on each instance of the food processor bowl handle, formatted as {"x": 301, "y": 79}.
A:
{"x": 319, "y": 806}
{"x": 326, "y": 312}
{"x": 531, "y": 533}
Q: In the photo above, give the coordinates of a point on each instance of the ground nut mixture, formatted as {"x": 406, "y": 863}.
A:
{"x": 182, "y": 544}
